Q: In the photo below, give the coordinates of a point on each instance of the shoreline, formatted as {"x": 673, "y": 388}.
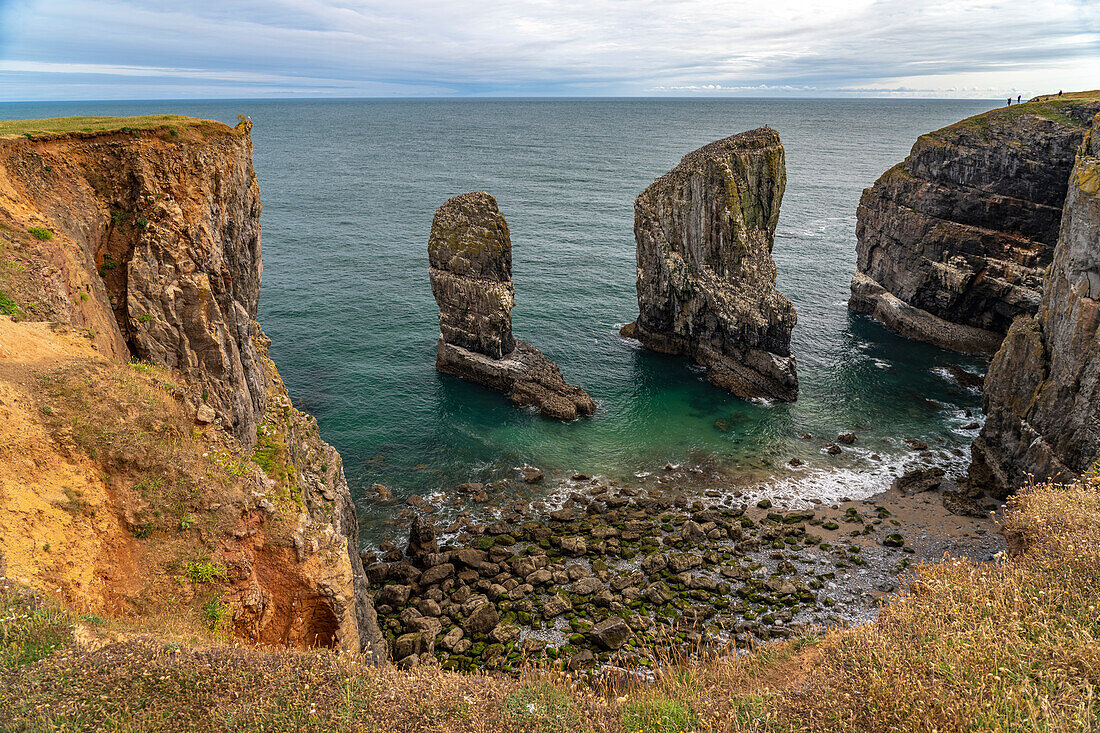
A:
{"x": 739, "y": 566}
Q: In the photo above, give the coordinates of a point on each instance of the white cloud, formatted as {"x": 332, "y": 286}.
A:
{"x": 357, "y": 47}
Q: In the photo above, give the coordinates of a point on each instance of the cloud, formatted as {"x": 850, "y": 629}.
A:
{"x": 124, "y": 48}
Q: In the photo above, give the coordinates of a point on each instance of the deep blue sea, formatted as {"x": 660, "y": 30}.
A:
{"x": 349, "y": 189}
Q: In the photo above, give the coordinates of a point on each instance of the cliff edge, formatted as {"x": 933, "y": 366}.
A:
{"x": 1042, "y": 391}
{"x": 953, "y": 241}
{"x": 706, "y": 277}
{"x": 195, "y": 481}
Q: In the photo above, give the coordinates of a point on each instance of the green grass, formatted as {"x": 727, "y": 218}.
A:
{"x": 659, "y": 715}
{"x": 41, "y": 234}
{"x": 540, "y": 705}
{"x": 1049, "y": 107}
{"x": 53, "y": 125}
{"x": 31, "y": 628}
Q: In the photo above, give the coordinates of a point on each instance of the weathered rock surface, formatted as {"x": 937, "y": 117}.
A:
{"x": 706, "y": 278}
{"x": 470, "y": 265}
{"x": 1042, "y": 391}
{"x": 953, "y": 241}
{"x": 149, "y": 241}
{"x": 169, "y": 234}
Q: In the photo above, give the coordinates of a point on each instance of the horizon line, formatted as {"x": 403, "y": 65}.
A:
{"x": 488, "y": 98}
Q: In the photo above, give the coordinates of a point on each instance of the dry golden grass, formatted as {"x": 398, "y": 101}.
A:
{"x": 1009, "y": 646}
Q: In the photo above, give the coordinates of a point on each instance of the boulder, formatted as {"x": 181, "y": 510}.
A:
{"x": 482, "y": 620}
{"x": 612, "y": 633}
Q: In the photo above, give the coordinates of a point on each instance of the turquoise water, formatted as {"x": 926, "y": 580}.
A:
{"x": 349, "y": 189}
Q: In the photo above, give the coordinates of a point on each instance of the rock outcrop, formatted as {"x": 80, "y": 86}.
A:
{"x": 706, "y": 278}
{"x": 470, "y": 265}
{"x": 147, "y": 239}
{"x": 1042, "y": 391}
{"x": 953, "y": 241}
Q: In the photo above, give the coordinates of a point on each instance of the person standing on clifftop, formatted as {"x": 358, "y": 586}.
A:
{"x": 1009, "y": 101}
{"x": 1017, "y": 99}
{"x": 1059, "y": 92}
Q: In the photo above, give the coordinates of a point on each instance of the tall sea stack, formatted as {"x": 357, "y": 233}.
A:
{"x": 953, "y": 241}
{"x": 706, "y": 278}
{"x": 1042, "y": 392}
{"x": 470, "y": 265}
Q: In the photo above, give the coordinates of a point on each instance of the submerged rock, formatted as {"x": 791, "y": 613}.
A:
{"x": 706, "y": 278}
{"x": 953, "y": 241}
{"x": 470, "y": 265}
{"x": 1042, "y": 392}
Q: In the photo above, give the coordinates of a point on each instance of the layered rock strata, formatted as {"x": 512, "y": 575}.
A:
{"x": 953, "y": 241}
{"x": 147, "y": 238}
{"x": 706, "y": 278}
{"x": 1042, "y": 391}
{"x": 470, "y": 265}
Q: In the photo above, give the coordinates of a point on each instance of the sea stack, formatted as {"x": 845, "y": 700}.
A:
{"x": 706, "y": 278}
{"x": 953, "y": 241}
{"x": 470, "y": 265}
{"x": 1042, "y": 391}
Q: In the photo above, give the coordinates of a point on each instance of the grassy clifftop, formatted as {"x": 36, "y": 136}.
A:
{"x": 62, "y": 125}
{"x": 967, "y": 647}
{"x": 1072, "y": 109}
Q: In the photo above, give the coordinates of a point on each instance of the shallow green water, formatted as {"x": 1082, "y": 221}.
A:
{"x": 349, "y": 190}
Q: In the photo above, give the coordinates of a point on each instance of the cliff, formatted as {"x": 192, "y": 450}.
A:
{"x": 470, "y": 267}
{"x": 953, "y": 241}
{"x": 706, "y": 278}
{"x": 1042, "y": 391}
{"x": 197, "y": 483}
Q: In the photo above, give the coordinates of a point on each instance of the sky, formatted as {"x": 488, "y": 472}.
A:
{"x": 151, "y": 49}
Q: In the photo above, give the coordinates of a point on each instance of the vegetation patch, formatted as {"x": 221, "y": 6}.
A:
{"x": 8, "y": 306}
{"x": 41, "y": 234}
{"x": 31, "y": 628}
{"x": 56, "y": 125}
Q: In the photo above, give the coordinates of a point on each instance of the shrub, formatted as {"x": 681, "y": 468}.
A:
{"x": 204, "y": 571}
{"x": 8, "y": 306}
{"x": 41, "y": 234}
{"x": 215, "y": 613}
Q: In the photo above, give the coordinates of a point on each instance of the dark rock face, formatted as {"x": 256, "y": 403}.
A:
{"x": 1042, "y": 392}
{"x": 470, "y": 265}
{"x": 706, "y": 278}
{"x": 952, "y": 242}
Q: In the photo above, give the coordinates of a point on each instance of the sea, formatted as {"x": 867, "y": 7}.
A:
{"x": 349, "y": 188}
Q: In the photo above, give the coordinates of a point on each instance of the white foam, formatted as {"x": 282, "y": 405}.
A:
{"x": 828, "y": 486}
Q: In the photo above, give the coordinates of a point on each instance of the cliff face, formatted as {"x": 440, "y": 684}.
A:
{"x": 470, "y": 266}
{"x": 166, "y": 228}
{"x": 706, "y": 278}
{"x": 1042, "y": 391}
{"x": 952, "y": 242}
{"x": 147, "y": 239}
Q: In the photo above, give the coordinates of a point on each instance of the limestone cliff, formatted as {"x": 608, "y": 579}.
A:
{"x": 1042, "y": 391}
{"x": 706, "y": 278}
{"x": 146, "y": 237}
{"x": 953, "y": 241}
{"x": 470, "y": 266}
